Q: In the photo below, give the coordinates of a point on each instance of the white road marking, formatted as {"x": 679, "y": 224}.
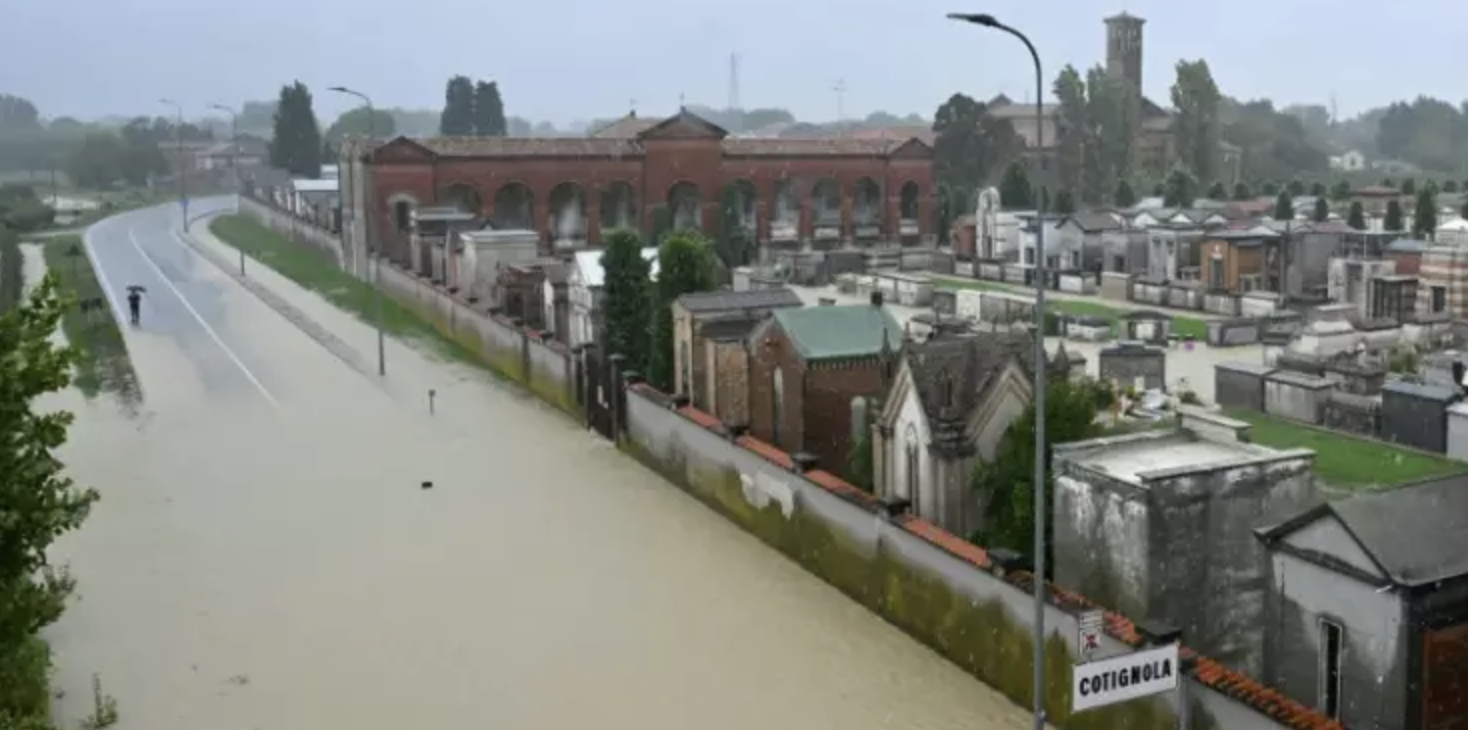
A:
{"x": 102, "y": 275}
{"x": 132, "y": 237}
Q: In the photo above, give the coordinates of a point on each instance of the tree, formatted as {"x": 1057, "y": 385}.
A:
{"x": 296, "y": 143}
{"x": 1450, "y": 186}
{"x": 1242, "y": 192}
{"x": 1269, "y": 188}
{"x": 1124, "y": 196}
{"x": 358, "y": 122}
{"x": 1159, "y": 190}
{"x": 1296, "y": 187}
{"x": 1284, "y": 206}
{"x": 627, "y": 299}
{"x": 1015, "y": 191}
{"x": 1317, "y": 189}
{"x": 457, "y": 119}
{"x": 860, "y": 466}
{"x": 38, "y": 501}
{"x": 1274, "y": 144}
{"x": 1218, "y": 191}
{"x": 1071, "y": 129}
{"x": 104, "y": 159}
{"x": 489, "y": 110}
{"x": 1322, "y": 210}
{"x": 1393, "y": 219}
{"x": 1006, "y": 484}
{"x": 1340, "y": 191}
{"x": 1181, "y": 189}
{"x": 1196, "y": 126}
{"x": 21, "y": 210}
{"x": 1424, "y": 216}
{"x": 1409, "y": 186}
{"x": 970, "y": 145}
{"x": 1387, "y": 182}
{"x": 1356, "y": 218}
{"x": 18, "y": 116}
{"x": 1065, "y": 204}
{"x": 685, "y": 266}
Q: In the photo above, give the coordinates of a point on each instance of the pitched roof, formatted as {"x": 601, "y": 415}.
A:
{"x": 1416, "y": 534}
{"x": 1094, "y": 221}
{"x": 627, "y": 127}
{"x": 840, "y": 331}
{"x": 726, "y": 301}
{"x": 966, "y": 363}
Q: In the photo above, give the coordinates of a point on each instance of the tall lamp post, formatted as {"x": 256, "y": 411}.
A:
{"x": 370, "y": 228}
{"x": 989, "y": 21}
{"x": 183, "y": 190}
{"x": 234, "y": 162}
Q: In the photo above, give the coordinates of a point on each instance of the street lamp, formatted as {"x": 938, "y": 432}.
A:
{"x": 989, "y": 21}
{"x": 234, "y": 166}
{"x": 369, "y": 227}
{"x": 183, "y": 191}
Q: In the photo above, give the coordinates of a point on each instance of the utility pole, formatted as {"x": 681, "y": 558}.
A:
{"x": 371, "y": 226}
{"x": 736, "y": 112}
{"x": 234, "y": 163}
{"x": 183, "y": 185}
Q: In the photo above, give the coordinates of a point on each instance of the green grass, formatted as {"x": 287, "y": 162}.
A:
{"x": 311, "y": 270}
{"x": 102, "y": 362}
{"x": 1346, "y": 462}
{"x": 1181, "y": 326}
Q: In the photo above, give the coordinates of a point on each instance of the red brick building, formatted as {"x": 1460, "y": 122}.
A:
{"x": 573, "y": 190}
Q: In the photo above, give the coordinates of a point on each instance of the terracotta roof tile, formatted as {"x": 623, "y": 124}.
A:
{"x": 823, "y": 147}
{"x": 1231, "y": 683}
{"x": 529, "y": 146}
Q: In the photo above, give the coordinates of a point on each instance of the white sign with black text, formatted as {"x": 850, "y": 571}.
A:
{"x": 1126, "y": 677}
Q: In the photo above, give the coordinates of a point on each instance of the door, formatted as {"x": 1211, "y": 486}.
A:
{"x": 1445, "y": 686}
{"x": 598, "y": 392}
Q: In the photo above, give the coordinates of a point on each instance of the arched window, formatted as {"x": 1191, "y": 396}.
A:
{"x": 945, "y": 386}
{"x": 402, "y": 215}
{"x": 777, "y": 390}
{"x": 858, "y": 419}
{"x": 914, "y": 468}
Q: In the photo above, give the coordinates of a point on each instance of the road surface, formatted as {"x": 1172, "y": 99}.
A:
{"x": 265, "y": 554}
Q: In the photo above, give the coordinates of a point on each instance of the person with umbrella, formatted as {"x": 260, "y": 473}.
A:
{"x": 135, "y": 302}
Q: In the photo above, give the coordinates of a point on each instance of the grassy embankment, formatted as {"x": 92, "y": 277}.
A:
{"x": 1348, "y": 463}
{"x": 102, "y": 362}
{"x": 1182, "y": 326}
{"x": 309, "y": 269}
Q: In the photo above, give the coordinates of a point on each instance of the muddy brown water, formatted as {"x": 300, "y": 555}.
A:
{"x": 254, "y": 566}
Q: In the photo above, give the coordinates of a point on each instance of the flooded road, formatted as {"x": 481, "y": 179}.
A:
{"x": 265, "y": 555}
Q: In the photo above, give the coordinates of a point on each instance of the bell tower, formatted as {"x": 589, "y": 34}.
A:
{"x": 1124, "y": 48}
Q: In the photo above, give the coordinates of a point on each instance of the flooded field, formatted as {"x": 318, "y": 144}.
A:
{"x": 266, "y": 556}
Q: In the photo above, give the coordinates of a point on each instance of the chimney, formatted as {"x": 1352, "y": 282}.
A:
{"x": 876, "y": 299}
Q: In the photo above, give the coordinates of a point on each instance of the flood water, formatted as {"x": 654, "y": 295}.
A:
{"x": 257, "y": 566}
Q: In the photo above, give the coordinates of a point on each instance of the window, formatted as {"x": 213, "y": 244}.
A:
{"x": 1332, "y": 648}
{"x": 1030, "y": 256}
{"x": 777, "y": 391}
{"x": 945, "y": 388}
{"x": 913, "y": 468}
{"x": 1439, "y": 298}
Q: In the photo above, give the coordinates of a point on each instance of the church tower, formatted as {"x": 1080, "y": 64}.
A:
{"x": 1124, "y": 48}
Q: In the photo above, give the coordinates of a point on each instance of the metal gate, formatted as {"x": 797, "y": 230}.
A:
{"x": 599, "y": 392}
{"x": 1445, "y": 688}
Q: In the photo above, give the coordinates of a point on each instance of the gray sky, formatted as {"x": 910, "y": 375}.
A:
{"x": 570, "y": 59}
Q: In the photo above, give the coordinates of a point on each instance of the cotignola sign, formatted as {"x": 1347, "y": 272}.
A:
{"x": 1127, "y": 677}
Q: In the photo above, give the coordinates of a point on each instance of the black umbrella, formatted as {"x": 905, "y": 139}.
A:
{"x": 135, "y": 289}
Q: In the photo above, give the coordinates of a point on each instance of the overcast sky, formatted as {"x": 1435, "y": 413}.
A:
{"x": 575, "y": 59}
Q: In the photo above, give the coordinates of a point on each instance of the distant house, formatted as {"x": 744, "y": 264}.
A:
{"x": 952, "y": 401}
{"x": 813, "y": 371}
{"x": 1350, "y": 161}
{"x": 1368, "y": 607}
{"x": 710, "y": 356}
{"x": 244, "y": 151}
